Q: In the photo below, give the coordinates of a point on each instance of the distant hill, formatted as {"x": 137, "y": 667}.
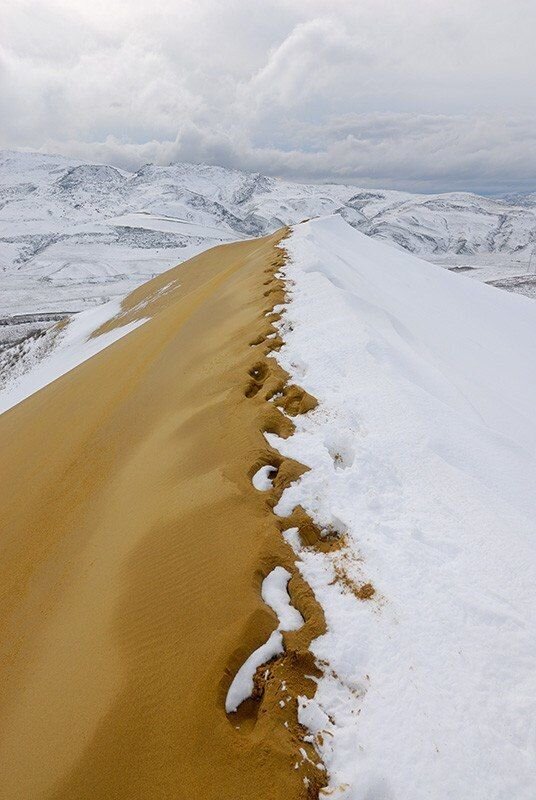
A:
{"x": 75, "y": 234}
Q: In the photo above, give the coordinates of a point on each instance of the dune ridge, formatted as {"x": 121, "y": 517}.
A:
{"x": 134, "y": 547}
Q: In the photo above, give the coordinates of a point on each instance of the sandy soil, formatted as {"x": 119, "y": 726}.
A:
{"x": 132, "y": 549}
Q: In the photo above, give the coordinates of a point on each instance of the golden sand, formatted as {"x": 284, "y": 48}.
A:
{"x": 132, "y": 550}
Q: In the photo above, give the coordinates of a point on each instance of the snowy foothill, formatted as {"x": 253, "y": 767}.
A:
{"x": 422, "y": 458}
{"x": 274, "y": 593}
{"x": 40, "y": 361}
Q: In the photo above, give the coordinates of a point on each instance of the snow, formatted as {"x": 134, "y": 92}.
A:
{"x": 262, "y": 480}
{"x": 422, "y": 457}
{"x": 168, "y": 224}
{"x": 74, "y": 235}
{"x": 274, "y": 593}
{"x": 44, "y": 360}
{"x": 242, "y": 686}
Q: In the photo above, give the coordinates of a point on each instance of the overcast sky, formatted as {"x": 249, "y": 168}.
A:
{"x": 425, "y": 95}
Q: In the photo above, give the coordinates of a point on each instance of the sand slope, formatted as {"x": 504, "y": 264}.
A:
{"x": 132, "y": 548}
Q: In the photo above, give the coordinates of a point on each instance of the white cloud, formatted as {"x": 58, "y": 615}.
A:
{"x": 424, "y": 94}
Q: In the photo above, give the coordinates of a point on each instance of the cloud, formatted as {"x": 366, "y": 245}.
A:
{"x": 303, "y": 67}
{"x": 424, "y": 95}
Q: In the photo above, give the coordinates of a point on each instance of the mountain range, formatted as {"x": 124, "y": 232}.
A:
{"x": 74, "y": 234}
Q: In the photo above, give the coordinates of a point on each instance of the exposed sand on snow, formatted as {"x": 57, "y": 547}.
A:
{"x": 133, "y": 546}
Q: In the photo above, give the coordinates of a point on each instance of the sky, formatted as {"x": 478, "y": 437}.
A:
{"x": 420, "y": 95}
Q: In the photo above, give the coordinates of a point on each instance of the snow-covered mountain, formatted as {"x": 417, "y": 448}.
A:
{"x": 75, "y": 234}
{"x": 520, "y": 198}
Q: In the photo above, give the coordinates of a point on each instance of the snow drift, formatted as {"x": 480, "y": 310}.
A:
{"x": 422, "y": 458}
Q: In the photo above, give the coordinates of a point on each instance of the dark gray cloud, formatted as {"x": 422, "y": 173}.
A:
{"x": 423, "y": 95}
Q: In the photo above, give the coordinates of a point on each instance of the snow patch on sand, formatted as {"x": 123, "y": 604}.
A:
{"x": 262, "y": 480}
{"x": 242, "y": 686}
{"x": 274, "y": 593}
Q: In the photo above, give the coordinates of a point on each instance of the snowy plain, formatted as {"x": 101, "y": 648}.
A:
{"x": 422, "y": 457}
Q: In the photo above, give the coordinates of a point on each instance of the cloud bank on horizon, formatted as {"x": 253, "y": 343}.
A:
{"x": 423, "y": 95}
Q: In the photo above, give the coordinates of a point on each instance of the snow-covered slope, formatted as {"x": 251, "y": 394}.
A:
{"x": 75, "y": 234}
{"x": 29, "y": 365}
{"x": 422, "y": 458}
{"x": 524, "y": 199}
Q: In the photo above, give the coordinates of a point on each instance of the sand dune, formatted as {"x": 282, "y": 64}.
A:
{"x": 133, "y": 546}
